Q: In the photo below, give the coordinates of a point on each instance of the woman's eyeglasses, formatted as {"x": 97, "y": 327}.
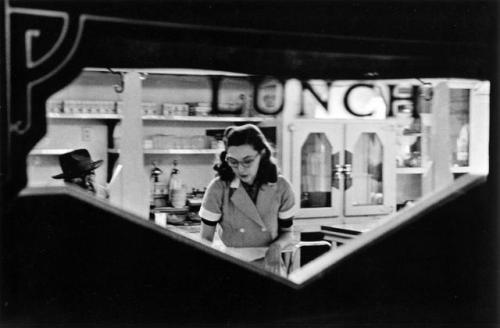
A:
{"x": 246, "y": 163}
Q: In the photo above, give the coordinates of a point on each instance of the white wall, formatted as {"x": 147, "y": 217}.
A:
{"x": 196, "y": 170}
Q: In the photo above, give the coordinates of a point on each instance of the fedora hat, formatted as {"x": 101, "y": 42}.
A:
{"x": 75, "y": 163}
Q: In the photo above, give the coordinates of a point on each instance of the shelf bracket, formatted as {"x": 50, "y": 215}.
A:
{"x": 121, "y": 85}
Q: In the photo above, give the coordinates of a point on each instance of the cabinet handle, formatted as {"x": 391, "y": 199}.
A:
{"x": 348, "y": 169}
{"x": 336, "y": 170}
{"x": 348, "y": 176}
{"x": 342, "y": 172}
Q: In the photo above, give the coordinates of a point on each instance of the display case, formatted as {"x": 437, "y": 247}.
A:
{"x": 343, "y": 168}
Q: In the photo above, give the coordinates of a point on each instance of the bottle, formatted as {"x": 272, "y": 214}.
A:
{"x": 316, "y": 178}
{"x": 318, "y": 158}
{"x": 463, "y": 146}
{"x": 175, "y": 189}
{"x": 117, "y": 136}
{"x": 157, "y": 194}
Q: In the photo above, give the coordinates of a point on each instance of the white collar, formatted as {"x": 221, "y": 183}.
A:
{"x": 235, "y": 183}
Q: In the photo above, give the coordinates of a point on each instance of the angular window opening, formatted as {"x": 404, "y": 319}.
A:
{"x": 153, "y": 137}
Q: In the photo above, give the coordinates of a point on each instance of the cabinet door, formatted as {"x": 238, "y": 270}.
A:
{"x": 369, "y": 169}
{"x": 316, "y": 149}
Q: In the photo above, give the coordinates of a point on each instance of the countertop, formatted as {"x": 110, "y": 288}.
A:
{"x": 243, "y": 253}
{"x": 359, "y": 223}
{"x": 249, "y": 254}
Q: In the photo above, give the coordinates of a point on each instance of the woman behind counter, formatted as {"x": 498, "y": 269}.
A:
{"x": 253, "y": 205}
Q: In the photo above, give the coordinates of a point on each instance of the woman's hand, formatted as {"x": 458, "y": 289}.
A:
{"x": 272, "y": 261}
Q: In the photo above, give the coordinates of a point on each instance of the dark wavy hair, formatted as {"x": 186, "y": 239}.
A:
{"x": 248, "y": 134}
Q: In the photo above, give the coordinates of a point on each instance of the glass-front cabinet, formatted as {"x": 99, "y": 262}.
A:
{"x": 369, "y": 169}
{"x": 343, "y": 169}
{"x": 317, "y": 151}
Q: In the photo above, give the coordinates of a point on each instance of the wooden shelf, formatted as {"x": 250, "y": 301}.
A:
{"x": 460, "y": 169}
{"x": 169, "y": 71}
{"x": 411, "y": 134}
{"x": 84, "y": 116}
{"x": 409, "y": 170}
{"x": 174, "y": 151}
{"x": 49, "y": 152}
{"x": 204, "y": 118}
{"x": 414, "y": 170}
{"x": 159, "y": 118}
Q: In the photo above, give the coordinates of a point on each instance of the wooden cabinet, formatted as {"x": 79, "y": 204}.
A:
{"x": 343, "y": 168}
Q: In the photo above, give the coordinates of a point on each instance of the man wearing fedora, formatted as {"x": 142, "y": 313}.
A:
{"x": 78, "y": 169}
